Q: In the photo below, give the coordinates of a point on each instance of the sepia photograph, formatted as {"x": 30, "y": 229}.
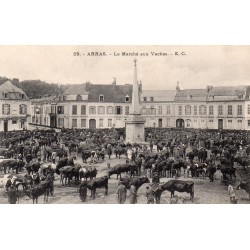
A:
{"x": 124, "y": 124}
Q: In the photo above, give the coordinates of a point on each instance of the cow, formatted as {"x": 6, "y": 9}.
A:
{"x": 227, "y": 171}
{"x": 85, "y": 155}
{"x": 198, "y": 169}
{"x": 136, "y": 181}
{"x": 88, "y": 172}
{"x": 32, "y": 167}
{"x": 10, "y": 164}
{"x": 66, "y": 173}
{"x": 119, "y": 151}
{"x": 100, "y": 182}
{"x": 43, "y": 188}
{"x": 245, "y": 185}
{"x": 179, "y": 186}
{"x": 121, "y": 168}
{"x": 64, "y": 162}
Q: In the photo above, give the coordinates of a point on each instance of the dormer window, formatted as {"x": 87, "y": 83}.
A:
{"x": 22, "y": 96}
{"x": 127, "y": 98}
{"x": 101, "y": 98}
{"x": 78, "y": 97}
{"x": 5, "y": 95}
{"x": 151, "y": 98}
{"x": 144, "y": 99}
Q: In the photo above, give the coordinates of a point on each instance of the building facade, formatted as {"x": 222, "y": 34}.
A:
{"x": 105, "y": 106}
{"x": 15, "y": 108}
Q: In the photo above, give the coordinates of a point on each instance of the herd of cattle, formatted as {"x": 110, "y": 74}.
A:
{"x": 177, "y": 152}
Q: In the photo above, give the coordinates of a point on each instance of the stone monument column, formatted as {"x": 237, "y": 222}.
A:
{"x": 135, "y": 122}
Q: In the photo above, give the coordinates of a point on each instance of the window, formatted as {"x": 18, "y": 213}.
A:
{"x": 44, "y": 121}
{"x": 202, "y": 110}
{"x": 159, "y": 110}
{"x": 144, "y": 99}
{"x": 230, "y": 121}
{"x": 110, "y": 110}
{"x": 92, "y": 110}
{"x": 60, "y": 109}
{"x": 79, "y": 98}
{"x": 83, "y": 109}
{"x": 239, "y": 109}
{"x": 230, "y": 110}
{"x": 211, "y": 110}
{"x": 101, "y": 98}
{"x": 33, "y": 119}
{"x": 168, "y": 110}
{"x": 211, "y": 120}
{"x": 202, "y": 120}
{"x": 126, "y": 98}
{"x": 22, "y": 109}
{"x": 220, "y": 110}
{"x": 118, "y": 110}
{"x": 188, "y": 110}
{"x": 5, "y": 95}
{"x": 152, "y": 110}
{"x": 6, "y": 109}
{"x": 127, "y": 110}
{"x": 74, "y": 123}
{"x": 151, "y": 98}
{"x": 248, "y": 109}
{"x": 22, "y": 96}
{"x": 61, "y": 122}
{"x": 195, "y": 120}
{"x": 248, "y": 123}
{"x": 195, "y": 110}
{"x": 100, "y": 123}
{"x": 109, "y": 122}
{"x": 179, "y": 110}
{"x": 101, "y": 110}
{"x": 188, "y": 122}
{"x": 74, "y": 110}
{"x": 143, "y": 110}
{"x": 14, "y": 121}
{"x": 83, "y": 123}
{"x": 239, "y": 121}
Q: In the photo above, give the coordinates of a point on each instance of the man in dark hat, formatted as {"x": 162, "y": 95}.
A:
{"x": 12, "y": 195}
{"x": 121, "y": 193}
{"x": 150, "y": 195}
{"x": 83, "y": 190}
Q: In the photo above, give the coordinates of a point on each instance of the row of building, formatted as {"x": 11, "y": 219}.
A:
{"x": 104, "y": 106}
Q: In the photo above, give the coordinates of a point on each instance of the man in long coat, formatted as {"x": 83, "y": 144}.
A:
{"x": 121, "y": 193}
{"x": 133, "y": 195}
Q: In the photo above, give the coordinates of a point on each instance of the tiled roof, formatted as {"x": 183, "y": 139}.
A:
{"x": 76, "y": 89}
{"x": 111, "y": 93}
{"x": 12, "y": 91}
{"x": 228, "y": 91}
{"x": 159, "y": 95}
{"x": 191, "y": 94}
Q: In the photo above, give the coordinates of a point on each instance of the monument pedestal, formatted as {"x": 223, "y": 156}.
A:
{"x": 135, "y": 129}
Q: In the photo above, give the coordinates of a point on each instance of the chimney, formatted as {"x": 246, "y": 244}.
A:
{"x": 178, "y": 89}
{"x": 209, "y": 87}
{"x": 15, "y": 81}
{"x": 87, "y": 86}
{"x": 114, "y": 81}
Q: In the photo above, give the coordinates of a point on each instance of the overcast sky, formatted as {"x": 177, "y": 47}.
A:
{"x": 200, "y": 66}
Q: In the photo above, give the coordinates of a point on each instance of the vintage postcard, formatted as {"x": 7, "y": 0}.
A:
{"x": 124, "y": 124}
